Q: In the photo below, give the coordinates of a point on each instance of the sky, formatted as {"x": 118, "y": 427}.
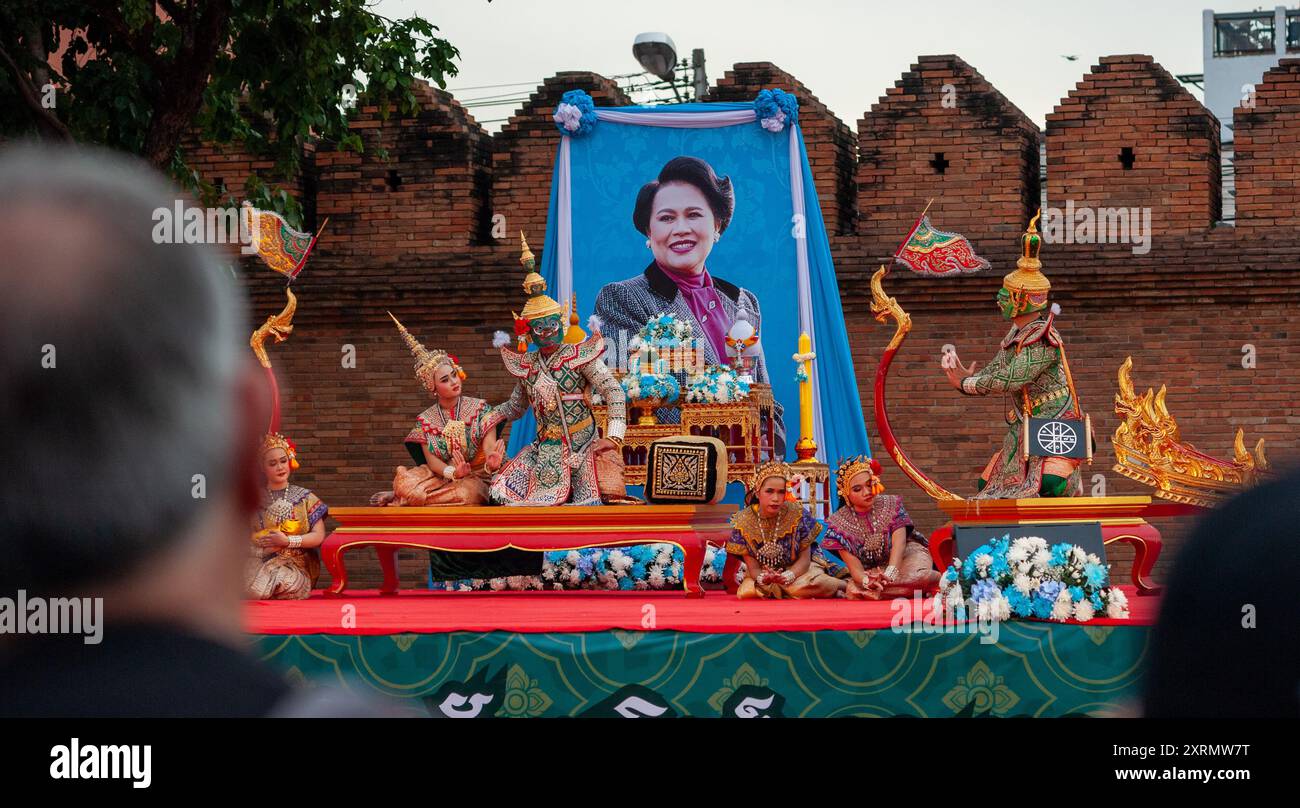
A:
{"x": 846, "y": 53}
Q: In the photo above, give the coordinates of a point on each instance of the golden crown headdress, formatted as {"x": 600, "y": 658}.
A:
{"x": 274, "y": 440}
{"x": 851, "y": 468}
{"x": 539, "y": 305}
{"x": 427, "y": 361}
{"x": 772, "y": 468}
{"x": 1027, "y": 283}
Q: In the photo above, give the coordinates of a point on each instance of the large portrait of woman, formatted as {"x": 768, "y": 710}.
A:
{"x": 683, "y": 213}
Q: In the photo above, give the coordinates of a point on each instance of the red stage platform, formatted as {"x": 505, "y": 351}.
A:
{"x": 430, "y": 612}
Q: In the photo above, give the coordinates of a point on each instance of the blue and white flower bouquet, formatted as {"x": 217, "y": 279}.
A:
{"x": 1026, "y": 578}
{"x": 716, "y": 385}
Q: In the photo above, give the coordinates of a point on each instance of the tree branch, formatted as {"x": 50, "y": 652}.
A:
{"x": 47, "y": 123}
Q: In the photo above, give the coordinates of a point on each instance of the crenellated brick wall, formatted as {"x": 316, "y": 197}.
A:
{"x": 1184, "y": 310}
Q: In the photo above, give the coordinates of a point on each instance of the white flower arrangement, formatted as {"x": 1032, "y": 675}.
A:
{"x": 1027, "y": 578}
{"x": 716, "y": 385}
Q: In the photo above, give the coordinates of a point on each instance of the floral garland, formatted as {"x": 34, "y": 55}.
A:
{"x": 776, "y": 109}
{"x": 666, "y": 330}
{"x": 1025, "y": 578}
{"x": 652, "y": 386}
{"x": 575, "y": 115}
{"x": 716, "y": 385}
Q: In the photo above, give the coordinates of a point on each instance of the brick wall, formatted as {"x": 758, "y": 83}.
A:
{"x": 1129, "y": 135}
{"x": 1183, "y": 311}
{"x": 1267, "y": 152}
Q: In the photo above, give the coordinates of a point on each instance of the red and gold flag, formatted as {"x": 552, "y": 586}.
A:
{"x": 282, "y": 248}
{"x": 933, "y": 252}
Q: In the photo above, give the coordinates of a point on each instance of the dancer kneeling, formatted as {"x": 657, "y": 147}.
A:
{"x": 775, "y": 536}
{"x": 874, "y": 536}
{"x": 287, "y": 530}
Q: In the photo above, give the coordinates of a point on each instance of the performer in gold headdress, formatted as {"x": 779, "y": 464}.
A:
{"x": 559, "y": 466}
{"x": 875, "y": 538}
{"x": 775, "y": 535}
{"x": 288, "y": 528}
{"x": 454, "y": 442}
{"x": 1031, "y": 369}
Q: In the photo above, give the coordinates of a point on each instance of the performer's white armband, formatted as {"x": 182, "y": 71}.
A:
{"x": 616, "y": 428}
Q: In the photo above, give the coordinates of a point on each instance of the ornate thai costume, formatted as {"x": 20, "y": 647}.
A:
{"x": 559, "y": 467}
{"x": 777, "y": 543}
{"x": 284, "y": 573}
{"x": 465, "y": 430}
{"x": 1030, "y": 368}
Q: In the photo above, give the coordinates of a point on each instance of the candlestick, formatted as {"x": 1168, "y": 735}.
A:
{"x": 806, "y": 448}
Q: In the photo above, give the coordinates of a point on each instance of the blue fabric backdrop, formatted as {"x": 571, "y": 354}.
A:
{"x": 610, "y": 165}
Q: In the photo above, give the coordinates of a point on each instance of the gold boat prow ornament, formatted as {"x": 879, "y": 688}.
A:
{"x": 1150, "y": 450}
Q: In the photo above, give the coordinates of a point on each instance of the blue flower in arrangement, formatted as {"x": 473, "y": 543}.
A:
{"x": 1041, "y": 607}
{"x": 1000, "y": 566}
{"x": 984, "y": 589}
{"x": 951, "y": 574}
{"x": 1060, "y": 554}
{"x": 776, "y": 109}
{"x": 801, "y": 375}
{"x": 1049, "y": 590}
{"x": 575, "y": 115}
{"x": 638, "y": 569}
{"x": 1095, "y": 574}
{"x": 1021, "y": 604}
{"x": 1095, "y": 599}
{"x": 626, "y": 583}
{"x": 1076, "y": 593}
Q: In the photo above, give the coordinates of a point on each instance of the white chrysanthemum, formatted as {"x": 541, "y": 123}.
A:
{"x": 620, "y": 561}
{"x": 575, "y": 577}
{"x": 982, "y": 563}
{"x": 573, "y": 557}
{"x": 676, "y": 569}
{"x": 655, "y": 575}
{"x": 1024, "y": 567}
{"x": 1117, "y": 609}
{"x": 664, "y": 558}
{"x": 1083, "y": 611}
{"x": 1078, "y": 556}
{"x": 1042, "y": 559}
{"x": 643, "y": 584}
{"x": 497, "y": 584}
{"x": 1024, "y": 584}
{"x": 1035, "y": 543}
{"x": 1003, "y": 607}
{"x": 557, "y": 585}
{"x": 1093, "y": 558}
{"x": 1063, "y": 607}
{"x": 464, "y": 588}
{"x": 1018, "y": 552}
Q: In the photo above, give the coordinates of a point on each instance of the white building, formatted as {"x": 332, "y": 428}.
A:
{"x": 1238, "y": 49}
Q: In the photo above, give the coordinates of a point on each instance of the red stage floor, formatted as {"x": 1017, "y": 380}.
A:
{"x": 429, "y": 612}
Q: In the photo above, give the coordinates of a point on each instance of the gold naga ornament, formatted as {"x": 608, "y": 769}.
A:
{"x": 1150, "y": 450}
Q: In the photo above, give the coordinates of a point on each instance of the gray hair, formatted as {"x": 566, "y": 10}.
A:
{"x": 117, "y": 363}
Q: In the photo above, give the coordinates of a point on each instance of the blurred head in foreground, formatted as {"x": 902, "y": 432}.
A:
{"x": 131, "y": 407}
{"x": 1227, "y": 644}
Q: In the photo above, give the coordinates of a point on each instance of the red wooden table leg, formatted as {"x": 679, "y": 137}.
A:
{"x": 332, "y": 558}
{"x": 693, "y": 548}
{"x": 388, "y": 563}
{"x": 941, "y": 547}
{"x": 729, "y": 570}
{"x": 1146, "y": 543}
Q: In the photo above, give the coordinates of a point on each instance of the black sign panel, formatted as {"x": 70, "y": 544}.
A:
{"x": 1085, "y": 534}
{"x": 1058, "y": 437}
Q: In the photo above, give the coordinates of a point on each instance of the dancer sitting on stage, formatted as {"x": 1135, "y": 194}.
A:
{"x": 287, "y": 530}
{"x": 454, "y": 442}
{"x": 1031, "y": 369}
{"x": 559, "y": 466}
{"x": 775, "y": 536}
{"x": 875, "y": 538}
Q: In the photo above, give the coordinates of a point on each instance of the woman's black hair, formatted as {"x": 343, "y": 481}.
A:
{"x": 692, "y": 171}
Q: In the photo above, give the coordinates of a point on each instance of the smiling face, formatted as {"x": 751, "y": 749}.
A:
{"x": 859, "y": 493}
{"x": 275, "y": 465}
{"x": 446, "y": 382}
{"x": 546, "y": 331}
{"x": 682, "y": 228}
{"x": 771, "y": 495}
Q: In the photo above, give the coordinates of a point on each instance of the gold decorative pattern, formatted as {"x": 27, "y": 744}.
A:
{"x": 681, "y": 471}
{"x": 1149, "y": 449}
{"x": 277, "y": 325}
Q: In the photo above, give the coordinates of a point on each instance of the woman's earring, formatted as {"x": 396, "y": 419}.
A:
{"x": 647, "y": 244}
{"x": 717, "y": 237}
